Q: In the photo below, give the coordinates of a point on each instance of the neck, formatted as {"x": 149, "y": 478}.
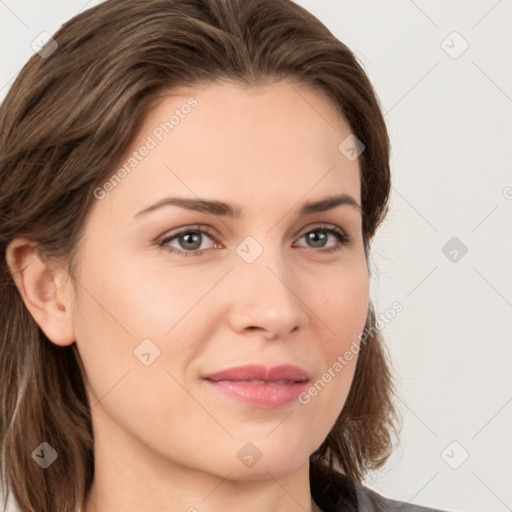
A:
{"x": 131, "y": 477}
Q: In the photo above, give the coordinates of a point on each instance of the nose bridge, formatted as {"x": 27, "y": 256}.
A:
{"x": 265, "y": 294}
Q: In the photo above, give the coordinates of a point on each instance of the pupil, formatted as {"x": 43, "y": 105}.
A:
{"x": 193, "y": 235}
{"x": 314, "y": 238}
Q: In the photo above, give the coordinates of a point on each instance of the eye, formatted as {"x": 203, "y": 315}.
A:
{"x": 190, "y": 240}
{"x": 341, "y": 238}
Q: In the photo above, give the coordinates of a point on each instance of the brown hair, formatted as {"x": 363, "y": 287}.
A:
{"x": 65, "y": 124}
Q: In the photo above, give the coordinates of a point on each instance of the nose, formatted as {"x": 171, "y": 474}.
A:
{"x": 266, "y": 297}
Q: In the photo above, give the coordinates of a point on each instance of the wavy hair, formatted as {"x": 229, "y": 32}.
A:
{"x": 65, "y": 124}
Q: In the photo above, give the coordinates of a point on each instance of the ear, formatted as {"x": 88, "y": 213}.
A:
{"x": 45, "y": 289}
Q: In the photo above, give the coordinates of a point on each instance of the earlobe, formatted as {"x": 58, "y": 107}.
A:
{"x": 45, "y": 290}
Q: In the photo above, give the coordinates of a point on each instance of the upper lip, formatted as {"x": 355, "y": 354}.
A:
{"x": 261, "y": 372}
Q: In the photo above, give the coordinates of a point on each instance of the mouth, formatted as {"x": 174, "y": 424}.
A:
{"x": 260, "y": 386}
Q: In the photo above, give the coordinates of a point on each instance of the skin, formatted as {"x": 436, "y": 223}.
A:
{"x": 163, "y": 440}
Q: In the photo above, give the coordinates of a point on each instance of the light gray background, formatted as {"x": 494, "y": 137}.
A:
{"x": 450, "y": 122}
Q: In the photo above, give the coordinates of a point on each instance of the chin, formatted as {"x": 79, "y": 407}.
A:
{"x": 275, "y": 462}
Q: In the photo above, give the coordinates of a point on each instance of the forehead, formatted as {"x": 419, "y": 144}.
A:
{"x": 238, "y": 143}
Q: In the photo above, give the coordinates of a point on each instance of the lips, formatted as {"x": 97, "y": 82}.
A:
{"x": 263, "y": 374}
{"x": 260, "y": 386}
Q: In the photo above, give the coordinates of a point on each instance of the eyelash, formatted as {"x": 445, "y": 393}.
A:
{"x": 342, "y": 239}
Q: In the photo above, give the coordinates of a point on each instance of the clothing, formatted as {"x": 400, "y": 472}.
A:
{"x": 334, "y": 492}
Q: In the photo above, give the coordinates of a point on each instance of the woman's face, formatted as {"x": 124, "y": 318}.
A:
{"x": 157, "y": 312}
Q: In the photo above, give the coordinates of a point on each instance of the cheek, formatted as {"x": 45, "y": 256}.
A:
{"x": 120, "y": 307}
{"x": 343, "y": 309}
{"x": 345, "y": 305}
{"x": 140, "y": 300}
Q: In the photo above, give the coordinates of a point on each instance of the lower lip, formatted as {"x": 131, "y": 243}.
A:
{"x": 261, "y": 395}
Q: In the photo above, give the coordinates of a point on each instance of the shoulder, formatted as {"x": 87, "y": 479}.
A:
{"x": 370, "y": 501}
{"x": 335, "y": 492}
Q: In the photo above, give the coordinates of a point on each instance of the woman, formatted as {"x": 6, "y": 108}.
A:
{"x": 244, "y": 371}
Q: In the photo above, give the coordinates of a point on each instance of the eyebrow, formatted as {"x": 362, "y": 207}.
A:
{"x": 215, "y": 207}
